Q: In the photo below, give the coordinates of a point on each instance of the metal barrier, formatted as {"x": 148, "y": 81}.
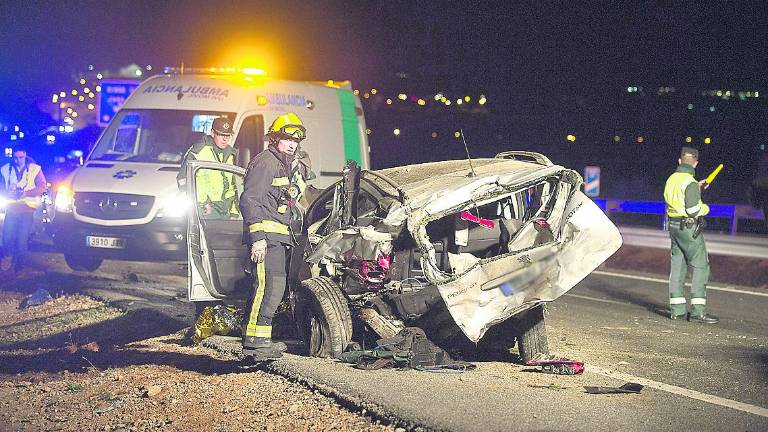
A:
{"x": 733, "y": 212}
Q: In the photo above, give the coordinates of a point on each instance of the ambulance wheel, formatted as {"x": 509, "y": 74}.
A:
{"x": 82, "y": 262}
{"x": 531, "y": 333}
{"x": 322, "y": 316}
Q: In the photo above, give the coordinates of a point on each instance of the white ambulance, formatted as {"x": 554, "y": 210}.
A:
{"x": 123, "y": 202}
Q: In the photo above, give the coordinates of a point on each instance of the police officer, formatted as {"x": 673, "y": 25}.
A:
{"x": 685, "y": 216}
{"x": 272, "y": 185}
{"x": 23, "y": 184}
{"x": 216, "y": 193}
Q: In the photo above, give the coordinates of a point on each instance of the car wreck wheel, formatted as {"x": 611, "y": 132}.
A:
{"x": 531, "y": 333}
{"x": 322, "y": 316}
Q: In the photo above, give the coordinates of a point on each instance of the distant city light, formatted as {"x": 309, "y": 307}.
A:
{"x": 640, "y": 139}
{"x": 367, "y": 95}
{"x": 98, "y": 88}
{"x": 367, "y": 131}
{"x": 373, "y": 91}
{"x": 396, "y": 132}
{"x": 707, "y": 140}
{"x": 138, "y": 72}
{"x": 16, "y": 128}
{"x": 457, "y": 134}
{"x": 402, "y": 96}
{"x": 447, "y": 102}
{"x": 356, "y": 92}
{"x": 482, "y": 100}
{"x": 467, "y": 99}
{"x": 571, "y": 137}
{"x": 690, "y": 106}
{"x": 62, "y": 94}
{"x": 82, "y": 81}
{"x": 74, "y": 92}
{"x": 21, "y": 135}
{"x": 459, "y": 101}
{"x": 86, "y": 90}
{"x": 688, "y": 139}
{"x": 389, "y": 101}
{"x": 422, "y": 102}
{"x": 99, "y": 76}
{"x": 712, "y": 108}
{"x": 149, "y": 67}
{"x": 50, "y": 138}
{"x": 616, "y": 138}
{"x": 13, "y": 137}
{"x": 438, "y": 97}
{"x": 69, "y": 129}
{"x": 90, "y": 67}
{"x": 90, "y": 106}
{"x": 434, "y": 134}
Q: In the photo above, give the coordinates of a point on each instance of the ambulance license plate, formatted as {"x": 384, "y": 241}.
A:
{"x": 105, "y": 242}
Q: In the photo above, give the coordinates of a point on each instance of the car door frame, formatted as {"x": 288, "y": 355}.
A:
{"x": 201, "y": 277}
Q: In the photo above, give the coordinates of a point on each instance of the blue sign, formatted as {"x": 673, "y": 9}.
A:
{"x": 592, "y": 181}
{"x": 112, "y": 97}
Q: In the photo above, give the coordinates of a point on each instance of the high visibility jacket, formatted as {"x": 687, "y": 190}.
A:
{"x": 25, "y": 183}
{"x": 212, "y": 186}
{"x": 682, "y": 194}
{"x": 266, "y": 199}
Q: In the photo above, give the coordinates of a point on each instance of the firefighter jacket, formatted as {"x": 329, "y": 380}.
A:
{"x": 268, "y": 196}
{"x": 215, "y": 187}
{"x": 683, "y": 195}
{"x": 30, "y": 182}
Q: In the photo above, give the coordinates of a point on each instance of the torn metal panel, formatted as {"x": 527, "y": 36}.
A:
{"x": 493, "y": 290}
{"x": 352, "y": 243}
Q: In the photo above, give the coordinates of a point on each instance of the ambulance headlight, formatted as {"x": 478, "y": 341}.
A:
{"x": 174, "y": 206}
{"x": 65, "y": 199}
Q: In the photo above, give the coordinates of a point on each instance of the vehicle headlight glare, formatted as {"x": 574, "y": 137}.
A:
{"x": 174, "y": 206}
{"x": 65, "y": 200}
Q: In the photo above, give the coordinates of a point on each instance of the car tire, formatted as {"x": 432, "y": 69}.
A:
{"x": 323, "y": 319}
{"x": 531, "y": 333}
{"x": 82, "y": 263}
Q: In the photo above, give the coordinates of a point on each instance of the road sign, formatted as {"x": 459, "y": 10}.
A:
{"x": 592, "y": 181}
{"x": 113, "y": 95}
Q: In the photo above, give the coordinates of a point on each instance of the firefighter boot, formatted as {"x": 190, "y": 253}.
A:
{"x": 260, "y": 348}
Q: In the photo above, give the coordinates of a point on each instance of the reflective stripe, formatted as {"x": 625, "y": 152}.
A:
{"x": 268, "y": 226}
{"x": 677, "y": 300}
{"x": 280, "y": 181}
{"x": 258, "y": 331}
{"x": 698, "y": 301}
{"x": 251, "y": 328}
{"x": 694, "y": 209}
{"x": 282, "y": 209}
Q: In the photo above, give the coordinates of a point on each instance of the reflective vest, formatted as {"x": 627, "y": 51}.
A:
{"x": 674, "y": 196}
{"x": 215, "y": 186}
{"x": 26, "y": 183}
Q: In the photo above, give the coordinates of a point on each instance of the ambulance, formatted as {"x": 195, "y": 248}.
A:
{"x": 123, "y": 203}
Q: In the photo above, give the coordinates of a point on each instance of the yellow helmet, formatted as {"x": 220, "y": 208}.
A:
{"x": 288, "y": 126}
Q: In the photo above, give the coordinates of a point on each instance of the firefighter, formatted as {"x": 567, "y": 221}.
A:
{"x": 685, "y": 216}
{"x": 23, "y": 184}
{"x": 216, "y": 193}
{"x": 273, "y": 184}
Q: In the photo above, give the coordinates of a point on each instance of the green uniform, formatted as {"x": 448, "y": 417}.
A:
{"x": 683, "y": 197}
{"x": 215, "y": 189}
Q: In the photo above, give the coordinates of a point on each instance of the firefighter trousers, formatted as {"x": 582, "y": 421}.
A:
{"x": 687, "y": 251}
{"x": 269, "y": 282}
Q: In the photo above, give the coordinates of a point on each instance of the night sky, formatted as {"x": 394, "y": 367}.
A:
{"x": 496, "y": 47}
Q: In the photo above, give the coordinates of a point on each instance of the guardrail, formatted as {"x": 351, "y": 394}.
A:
{"x": 734, "y": 212}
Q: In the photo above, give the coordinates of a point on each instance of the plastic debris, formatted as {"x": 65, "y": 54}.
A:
{"x": 626, "y": 388}
{"x": 557, "y": 365}
{"x": 37, "y": 298}
{"x": 217, "y": 320}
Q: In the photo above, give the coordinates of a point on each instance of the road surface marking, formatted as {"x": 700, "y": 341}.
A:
{"x": 666, "y": 281}
{"x": 598, "y": 299}
{"x": 693, "y": 394}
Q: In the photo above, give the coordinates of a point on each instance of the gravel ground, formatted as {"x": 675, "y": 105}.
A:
{"x": 54, "y": 379}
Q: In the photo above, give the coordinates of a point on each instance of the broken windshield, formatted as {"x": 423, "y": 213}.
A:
{"x": 153, "y": 135}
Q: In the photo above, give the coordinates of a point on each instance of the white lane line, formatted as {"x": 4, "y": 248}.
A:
{"x": 598, "y": 299}
{"x": 693, "y": 394}
{"x": 666, "y": 281}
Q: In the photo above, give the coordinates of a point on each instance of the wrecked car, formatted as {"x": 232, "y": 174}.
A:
{"x": 468, "y": 250}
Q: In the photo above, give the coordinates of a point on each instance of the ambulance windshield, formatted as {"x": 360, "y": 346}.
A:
{"x": 161, "y": 136}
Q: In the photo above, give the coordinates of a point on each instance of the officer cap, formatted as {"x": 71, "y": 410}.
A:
{"x": 689, "y": 151}
{"x": 222, "y": 126}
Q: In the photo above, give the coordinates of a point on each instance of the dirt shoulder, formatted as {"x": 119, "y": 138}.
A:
{"x": 751, "y": 272}
{"x": 63, "y": 367}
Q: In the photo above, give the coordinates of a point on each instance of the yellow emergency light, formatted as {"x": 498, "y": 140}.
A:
{"x": 711, "y": 177}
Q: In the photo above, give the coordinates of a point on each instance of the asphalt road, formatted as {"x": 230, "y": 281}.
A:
{"x": 697, "y": 377}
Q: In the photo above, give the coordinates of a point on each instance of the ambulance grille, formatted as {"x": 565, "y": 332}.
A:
{"x": 112, "y": 206}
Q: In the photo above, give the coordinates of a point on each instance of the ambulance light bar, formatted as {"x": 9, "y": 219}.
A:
{"x": 168, "y": 70}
